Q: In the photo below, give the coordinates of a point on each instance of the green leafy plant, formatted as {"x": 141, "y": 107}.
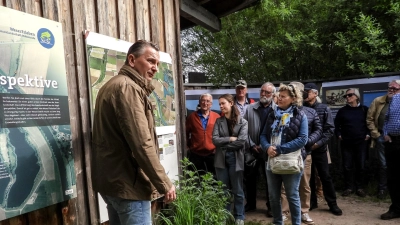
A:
{"x": 200, "y": 200}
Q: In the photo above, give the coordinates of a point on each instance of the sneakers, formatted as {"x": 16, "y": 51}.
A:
{"x": 239, "y": 222}
{"x": 361, "y": 193}
{"x": 390, "y": 215}
{"x": 305, "y": 218}
{"x": 285, "y": 216}
{"x": 347, "y": 192}
{"x": 335, "y": 210}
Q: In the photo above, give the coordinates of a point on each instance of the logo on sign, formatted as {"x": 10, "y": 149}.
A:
{"x": 45, "y": 38}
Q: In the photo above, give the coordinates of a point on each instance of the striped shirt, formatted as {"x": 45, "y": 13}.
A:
{"x": 392, "y": 119}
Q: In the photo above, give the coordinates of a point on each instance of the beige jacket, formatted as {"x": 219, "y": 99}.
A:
{"x": 372, "y": 117}
{"x": 125, "y": 161}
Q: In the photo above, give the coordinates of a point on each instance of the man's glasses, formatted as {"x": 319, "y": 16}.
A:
{"x": 393, "y": 89}
{"x": 348, "y": 95}
{"x": 266, "y": 92}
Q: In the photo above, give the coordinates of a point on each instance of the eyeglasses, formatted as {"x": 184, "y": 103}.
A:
{"x": 393, "y": 89}
{"x": 265, "y": 92}
{"x": 205, "y": 101}
{"x": 348, "y": 95}
{"x": 293, "y": 90}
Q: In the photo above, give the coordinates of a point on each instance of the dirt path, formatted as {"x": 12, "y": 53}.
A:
{"x": 356, "y": 211}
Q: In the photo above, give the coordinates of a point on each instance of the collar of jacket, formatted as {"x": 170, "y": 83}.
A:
{"x": 135, "y": 76}
{"x": 384, "y": 99}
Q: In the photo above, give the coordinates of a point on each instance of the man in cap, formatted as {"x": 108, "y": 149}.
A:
{"x": 241, "y": 99}
{"x": 319, "y": 148}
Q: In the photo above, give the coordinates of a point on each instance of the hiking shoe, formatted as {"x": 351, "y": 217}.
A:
{"x": 248, "y": 208}
{"x": 239, "y": 222}
{"x": 305, "y": 218}
{"x": 347, "y": 192}
{"x": 382, "y": 194}
{"x": 390, "y": 215}
{"x": 361, "y": 193}
{"x": 285, "y": 216}
{"x": 335, "y": 210}
{"x": 268, "y": 213}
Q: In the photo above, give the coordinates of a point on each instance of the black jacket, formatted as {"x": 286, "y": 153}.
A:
{"x": 328, "y": 127}
{"x": 314, "y": 127}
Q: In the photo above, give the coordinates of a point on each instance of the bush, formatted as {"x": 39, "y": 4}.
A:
{"x": 200, "y": 200}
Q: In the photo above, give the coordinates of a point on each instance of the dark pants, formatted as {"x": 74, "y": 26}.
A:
{"x": 320, "y": 162}
{"x": 252, "y": 175}
{"x": 203, "y": 164}
{"x": 354, "y": 153}
{"x": 392, "y": 152}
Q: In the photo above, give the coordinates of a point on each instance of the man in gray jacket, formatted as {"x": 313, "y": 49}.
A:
{"x": 256, "y": 115}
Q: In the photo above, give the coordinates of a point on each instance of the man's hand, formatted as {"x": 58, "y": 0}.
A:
{"x": 170, "y": 196}
{"x": 232, "y": 139}
{"x": 388, "y": 139}
{"x": 340, "y": 137}
{"x": 315, "y": 146}
{"x": 367, "y": 137}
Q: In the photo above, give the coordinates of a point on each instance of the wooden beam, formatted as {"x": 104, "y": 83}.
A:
{"x": 199, "y": 15}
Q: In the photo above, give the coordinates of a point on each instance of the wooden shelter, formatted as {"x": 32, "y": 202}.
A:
{"x": 156, "y": 20}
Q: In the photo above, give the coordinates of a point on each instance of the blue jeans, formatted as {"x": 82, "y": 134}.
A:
{"x": 127, "y": 212}
{"x": 234, "y": 182}
{"x": 291, "y": 183}
{"x": 380, "y": 149}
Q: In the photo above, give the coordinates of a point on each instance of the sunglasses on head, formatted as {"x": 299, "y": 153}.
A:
{"x": 348, "y": 95}
{"x": 240, "y": 83}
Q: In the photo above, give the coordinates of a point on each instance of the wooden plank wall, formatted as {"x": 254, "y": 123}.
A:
{"x": 154, "y": 20}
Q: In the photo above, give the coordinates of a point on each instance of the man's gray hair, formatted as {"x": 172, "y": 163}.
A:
{"x": 205, "y": 94}
{"x": 395, "y": 81}
{"x": 271, "y": 85}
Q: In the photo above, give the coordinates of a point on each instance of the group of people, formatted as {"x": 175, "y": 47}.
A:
{"x": 127, "y": 172}
{"x": 285, "y": 121}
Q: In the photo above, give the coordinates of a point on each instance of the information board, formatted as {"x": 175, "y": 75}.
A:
{"x": 36, "y": 159}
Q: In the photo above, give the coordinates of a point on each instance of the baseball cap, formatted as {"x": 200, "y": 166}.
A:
{"x": 310, "y": 86}
{"x": 241, "y": 83}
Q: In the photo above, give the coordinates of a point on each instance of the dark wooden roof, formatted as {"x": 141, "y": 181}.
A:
{"x": 219, "y": 8}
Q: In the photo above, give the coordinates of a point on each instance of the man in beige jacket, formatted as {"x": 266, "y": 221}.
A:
{"x": 126, "y": 169}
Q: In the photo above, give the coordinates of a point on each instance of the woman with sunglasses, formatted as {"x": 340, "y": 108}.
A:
{"x": 229, "y": 136}
{"x": 353, "y": 133}
{"x": 285, "y": 131}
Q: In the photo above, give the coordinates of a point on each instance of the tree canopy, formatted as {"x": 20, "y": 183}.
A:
{"x": 298, "y": 40}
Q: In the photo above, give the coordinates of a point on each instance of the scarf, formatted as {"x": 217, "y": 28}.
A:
{"x": 282, "y": 119}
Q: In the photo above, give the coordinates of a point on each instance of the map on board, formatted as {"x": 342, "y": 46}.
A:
{"x": 105, "y": 63}
{"x": 36, "y": 157}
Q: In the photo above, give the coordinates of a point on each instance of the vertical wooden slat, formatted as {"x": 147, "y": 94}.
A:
{"x": 16, "y": 4}
{"x": 126, "y": 20}
{"x": 157, "y": 24}
{"x": 171, "y": 9}
{"x": 80, "y": 24}
{"x": 2, "y": 2}
{"x": 76, "y": 210}
{"x": 107, "y": 20}
{"x": 142, "y": 19}
{"x": 33, "y": 7}
{"x": 50, "y": 9}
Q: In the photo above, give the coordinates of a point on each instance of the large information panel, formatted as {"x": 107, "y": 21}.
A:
{"x": 106, "y": 55}
{"x": 36, "y": 160}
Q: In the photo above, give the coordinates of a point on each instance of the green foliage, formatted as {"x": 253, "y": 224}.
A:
{"x": 298, "y": 40}
{"x": 200, "y": 200}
